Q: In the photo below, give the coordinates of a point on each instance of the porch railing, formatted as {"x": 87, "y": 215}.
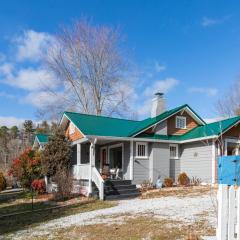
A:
{"x": 97, "y": 179}
{"x": 81, "y": 171}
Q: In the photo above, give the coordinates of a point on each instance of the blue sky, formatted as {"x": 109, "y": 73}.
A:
{"x": 190, "y": 49}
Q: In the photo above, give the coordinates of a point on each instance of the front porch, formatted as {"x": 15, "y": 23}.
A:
{"x": 95, "y": 162}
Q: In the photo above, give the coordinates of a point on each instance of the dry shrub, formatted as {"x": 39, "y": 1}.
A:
{"x": 168, "y": 182}
{"x": 64, "y": 182}
{"x": 183, "y": 179}
{"x": 146, "y": 185}
{"x": 3, "y": 182}
{"x": 193, "y": 236}
{"x": 194, "y": 181}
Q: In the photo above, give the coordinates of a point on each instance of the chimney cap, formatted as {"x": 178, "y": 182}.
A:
{"x": 160, "y": 94}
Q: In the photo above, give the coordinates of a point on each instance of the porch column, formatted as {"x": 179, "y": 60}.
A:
{"x": 213, "y": 162}
{"x": 78, "y": 153}
{"x": 91, "y": 165}
{"x": 131, "y": 160}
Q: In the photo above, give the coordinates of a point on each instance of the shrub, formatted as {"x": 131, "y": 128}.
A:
{"x": 183, "y": 179}
{"x": 38, "y": 185}
{"x": 194, "y": 181}
{"x": 26, "y": 167}
{"x": 146, "y": 185}
{"x": 3, "y": 182}
{"x": 64, "y": 183}
{"x": 168, "y": 182}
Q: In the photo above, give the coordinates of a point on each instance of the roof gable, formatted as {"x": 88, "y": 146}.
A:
{"x": 207, "y": 130}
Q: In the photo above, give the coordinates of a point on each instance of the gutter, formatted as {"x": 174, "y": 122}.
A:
{"x": 149, "y": 140}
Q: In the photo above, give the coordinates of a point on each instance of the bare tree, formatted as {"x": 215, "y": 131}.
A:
{"x": 88, "y": 62}
{"x": 229, "y": 104}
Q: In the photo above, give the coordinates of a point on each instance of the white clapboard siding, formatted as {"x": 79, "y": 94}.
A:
{"x": 228, "y": 213}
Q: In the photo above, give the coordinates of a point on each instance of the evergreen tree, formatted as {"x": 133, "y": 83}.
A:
{"x": 28, "y": 130}
{"x": 56, "y": 154}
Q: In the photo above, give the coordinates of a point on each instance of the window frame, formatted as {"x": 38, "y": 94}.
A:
{"x": 177, "y": 151}
{"x": 145, "y": 144}
{"x": 181, "y": 118}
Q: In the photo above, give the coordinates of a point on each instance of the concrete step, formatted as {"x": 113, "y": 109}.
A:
{"x": 121, "y": 192}
{"x": 122, "y": 196}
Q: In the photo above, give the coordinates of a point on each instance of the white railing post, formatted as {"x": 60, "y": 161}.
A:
{"x": 238, "y": 214}
{"x": 222, "y": 212}
{"x": 90, "y": 169}
{"x": 231, "y": 213}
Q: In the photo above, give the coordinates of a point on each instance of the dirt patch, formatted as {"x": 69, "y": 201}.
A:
{"x": 137, "y": 228}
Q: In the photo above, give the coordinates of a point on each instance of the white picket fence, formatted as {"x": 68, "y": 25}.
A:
{"x": 228, "y": 213}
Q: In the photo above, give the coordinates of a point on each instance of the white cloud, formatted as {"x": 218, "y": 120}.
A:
{"x": 6, "y": 69}
{"x": 207, "y": 91}
{"x": 30, "y": 79}
{"x": 208, "y": 22}
{"x": 41, "y": 99}
{"x": 161, "y": 86}
{"x": 10, "y": 121}
{"x": 159, "y": 67}
{"x": 31, "y": 45}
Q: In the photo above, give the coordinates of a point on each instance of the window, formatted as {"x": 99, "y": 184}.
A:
{"x": 180, "y": 122}
{"x": 71, "y": 128}
{"x": 141, "y": 149}
{"x": 173, "y": 151}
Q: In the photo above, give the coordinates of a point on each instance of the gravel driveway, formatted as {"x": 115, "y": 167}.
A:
{"x": 187, "y": 210}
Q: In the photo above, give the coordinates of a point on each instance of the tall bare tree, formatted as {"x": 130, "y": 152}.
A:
{"x": 88, "y": 62}
{"x": 229, "y": 104}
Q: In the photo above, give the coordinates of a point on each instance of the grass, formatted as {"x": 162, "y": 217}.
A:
{"x": 135, "y": 228}
{"x": 19, "y": 203}
{"x": 179, "y": 192}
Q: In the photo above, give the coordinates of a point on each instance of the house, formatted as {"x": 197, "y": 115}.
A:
{"x": 40, "y": 140}
{"x": 163, "y": 145}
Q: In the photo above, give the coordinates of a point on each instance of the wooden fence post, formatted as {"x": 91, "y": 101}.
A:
{"x": 222, "y": 212}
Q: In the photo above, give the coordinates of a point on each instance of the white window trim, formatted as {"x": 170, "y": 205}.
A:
{"x": 182, "y": 118}
{"x": 177, "y": 152}
{"x": 146, "y": 150}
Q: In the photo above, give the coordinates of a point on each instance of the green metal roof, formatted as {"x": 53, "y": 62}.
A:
{"x": 42, "y": 138}
{"x": 102, "y": 126}
{"x": 115, "y": 127}
{"x": 207, "y": 130}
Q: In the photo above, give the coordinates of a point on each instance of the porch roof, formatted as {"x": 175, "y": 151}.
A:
{"x": 116, "y": 127}
{"x": 207, "y": 130}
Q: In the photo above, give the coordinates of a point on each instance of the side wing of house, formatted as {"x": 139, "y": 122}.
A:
{"x": 164, "y": 159}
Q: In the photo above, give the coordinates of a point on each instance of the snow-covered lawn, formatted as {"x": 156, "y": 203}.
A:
{"x": 186, "y": 210}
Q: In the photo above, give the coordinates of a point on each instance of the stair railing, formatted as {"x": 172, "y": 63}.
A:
{"x": 97, "y": 179}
